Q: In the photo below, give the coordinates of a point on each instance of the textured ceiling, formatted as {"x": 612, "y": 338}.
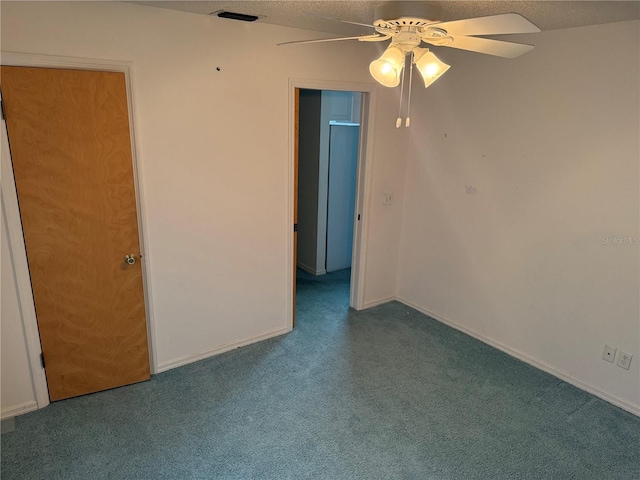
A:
{"x": 547, "y": 15}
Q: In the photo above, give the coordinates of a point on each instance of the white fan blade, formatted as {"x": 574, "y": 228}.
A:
{"x": 490, "y": 47}
{"x": 505, "y": 24}
{"x": 352, "y": 23}
{"x": 374, "y": 38}
{"x": 362, "y": 38}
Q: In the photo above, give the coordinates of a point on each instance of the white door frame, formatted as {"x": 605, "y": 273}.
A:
{"x": 363, "y": 183}
{"x": 14, "y": 224}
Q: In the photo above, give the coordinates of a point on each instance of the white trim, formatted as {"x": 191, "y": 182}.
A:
{"x": 18, "y": 410}
{"x": 363, "y": 199}
{"x": 375, "y": 303}
{"x": 17, "y": 59}
{"x": 15, "y": 229}
{"x": 180, "y": 361}
{"x": 625, "y": 405}
{"x": 18, "y": 254}
{"x": 142, "y": 221}
{"x": 363, "y": 187}
{"x": 310, "y": 270}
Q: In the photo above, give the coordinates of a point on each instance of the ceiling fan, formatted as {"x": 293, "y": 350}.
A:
{"x": 409, "y": 24}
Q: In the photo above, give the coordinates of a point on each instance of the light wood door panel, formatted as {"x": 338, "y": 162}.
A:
{"x": 71, "y": 153}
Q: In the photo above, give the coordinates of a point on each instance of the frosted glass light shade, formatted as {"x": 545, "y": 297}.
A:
{"x": 386, "y": 70}
{"x": 429, "y": 66}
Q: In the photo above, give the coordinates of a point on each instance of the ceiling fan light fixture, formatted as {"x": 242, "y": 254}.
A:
{"x": 430, "y": 67}
{"x": 409, "y": 24}
{"x": 386, "y": 70}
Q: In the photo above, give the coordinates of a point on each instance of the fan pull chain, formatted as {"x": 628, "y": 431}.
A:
{"x": 399, "y": 120}
{"x": 408, "y": 119}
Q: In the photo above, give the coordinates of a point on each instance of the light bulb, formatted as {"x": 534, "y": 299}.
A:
{"x": 429, "y": 66}
{"x": 386, "y": 70}
{"x": 431, "y": 70}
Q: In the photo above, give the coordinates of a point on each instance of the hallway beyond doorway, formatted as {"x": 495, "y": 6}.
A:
{"x": 319, "y": 292}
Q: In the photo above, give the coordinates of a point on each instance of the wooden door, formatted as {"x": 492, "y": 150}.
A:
{"x": 71, "y": 153}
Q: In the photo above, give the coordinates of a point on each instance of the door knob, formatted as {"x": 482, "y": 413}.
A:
{"x": 130, "y": 259}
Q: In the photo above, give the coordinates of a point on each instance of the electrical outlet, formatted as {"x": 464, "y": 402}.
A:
{"x": 387, "y": 198}
{"x": 624, "y": 360}
{"x": 609, "y": 353}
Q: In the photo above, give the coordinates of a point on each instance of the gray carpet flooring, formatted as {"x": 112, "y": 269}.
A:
{"x": 386, "y": 393}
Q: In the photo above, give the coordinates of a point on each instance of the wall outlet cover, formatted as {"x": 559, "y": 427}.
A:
{"x": 609, "y": 353}
{"x": 624, "y": 360}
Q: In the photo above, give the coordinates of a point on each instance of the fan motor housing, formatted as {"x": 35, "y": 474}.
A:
{"x": 400, "y": 13}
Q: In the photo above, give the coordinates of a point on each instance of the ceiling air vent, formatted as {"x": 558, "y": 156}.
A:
{"x": 235, "y": 16}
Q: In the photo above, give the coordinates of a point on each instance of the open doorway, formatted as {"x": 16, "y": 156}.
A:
{"x": 328, "y": 151}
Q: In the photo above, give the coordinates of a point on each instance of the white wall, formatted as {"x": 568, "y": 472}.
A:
{"x": 214, "y": 158}
{"x": 517, "y": 170}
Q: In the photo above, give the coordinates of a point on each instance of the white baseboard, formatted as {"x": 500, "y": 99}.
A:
{"x": 310, "y": 270}
{"x": 178, "y": 362}
{"x": 375, "y": 303}
{"x": 18, "y": 409}
{"x": 625, "y": 405}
